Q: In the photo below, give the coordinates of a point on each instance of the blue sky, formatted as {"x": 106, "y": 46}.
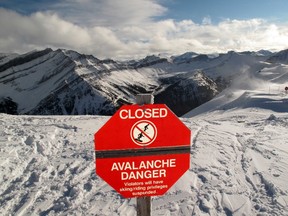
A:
{"x": 135, "y": 28}
{"x": 218, "y": 10}
{"x": 196, "y": 10}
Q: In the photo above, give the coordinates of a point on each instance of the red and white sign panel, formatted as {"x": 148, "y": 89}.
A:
{"x": 142, "y": 150}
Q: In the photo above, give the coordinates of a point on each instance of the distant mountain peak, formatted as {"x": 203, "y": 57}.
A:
{"x": 279, "y": 57}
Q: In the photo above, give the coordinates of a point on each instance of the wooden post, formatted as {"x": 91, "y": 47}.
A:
{"x": 144, "y": 203}
{"x": 142, "y": 99}
{"x": 143, "y": 206}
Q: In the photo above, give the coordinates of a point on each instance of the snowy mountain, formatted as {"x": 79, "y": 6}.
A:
{"x": 188, "y": 92}
{"x": 66, "y": 82}
{"x": 238, "y": 161}
{"x": 59, "y": 82}
{"x": 280, "y": 57}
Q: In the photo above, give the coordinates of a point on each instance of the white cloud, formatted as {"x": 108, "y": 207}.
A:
{"x": 39, "y": 30}
{"x": 136, "y": 38}
{"x": 108, "y": 12}
{"x": 206, "y": 20}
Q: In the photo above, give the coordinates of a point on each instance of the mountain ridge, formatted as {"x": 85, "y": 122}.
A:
{"x": 65, "y": 82}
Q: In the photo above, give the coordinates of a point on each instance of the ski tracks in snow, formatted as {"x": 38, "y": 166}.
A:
{"x": 47, "y": 167}
{"x": 240, "y": 162}
{"x": 238, "y": 167}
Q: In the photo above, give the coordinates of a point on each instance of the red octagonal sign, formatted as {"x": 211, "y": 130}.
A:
{"x": 142, "y": 150}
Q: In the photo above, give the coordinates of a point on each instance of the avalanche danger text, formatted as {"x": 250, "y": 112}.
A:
{"x": 143, "y": 169}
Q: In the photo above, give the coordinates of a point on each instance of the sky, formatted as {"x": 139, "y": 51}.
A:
{"x": 131, "y": 29}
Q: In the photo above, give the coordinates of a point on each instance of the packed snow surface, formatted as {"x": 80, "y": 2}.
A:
{"x": 239, "y": 160}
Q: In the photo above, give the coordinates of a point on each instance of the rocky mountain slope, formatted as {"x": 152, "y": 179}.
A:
{"x": 64, "y": 82}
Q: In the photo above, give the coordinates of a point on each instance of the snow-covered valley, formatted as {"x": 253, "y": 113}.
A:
{"x": 239, "y": 160}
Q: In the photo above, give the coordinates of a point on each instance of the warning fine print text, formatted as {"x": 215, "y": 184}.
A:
{"x": 143, "y": 188}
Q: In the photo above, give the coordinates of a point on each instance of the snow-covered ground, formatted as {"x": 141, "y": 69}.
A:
{"x": 239, "y": 160}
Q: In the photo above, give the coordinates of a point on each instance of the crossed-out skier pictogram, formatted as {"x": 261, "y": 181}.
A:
{"x": 143, "y": 133}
